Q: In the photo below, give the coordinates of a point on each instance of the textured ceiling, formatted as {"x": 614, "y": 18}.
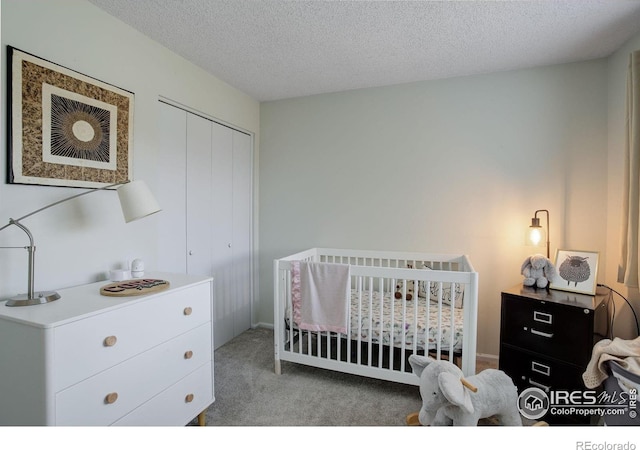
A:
{"x": 274, "y": 49}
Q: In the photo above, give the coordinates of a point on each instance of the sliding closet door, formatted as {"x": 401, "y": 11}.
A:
{"x": 232, "y": 261}
{"x": 184, "y": 192}
{"x": 222, "y": 176}
{"x": 242, "y": 230}
{"x": 199, "y": 196}
{"x": 171, "y": 189}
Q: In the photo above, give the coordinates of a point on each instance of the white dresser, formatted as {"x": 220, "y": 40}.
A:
{"x": 89, "y": 359}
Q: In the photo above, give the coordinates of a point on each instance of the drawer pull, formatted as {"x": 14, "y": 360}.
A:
{"x": 110, "y": 341}
{"x": 188, "y": 398}
{"x": 540, "y": 368}
{"x": 542, "y": 317}
{"x": 111, "y": 398}
{"x": 541, "y": 333}
{"x": 188, "y": 354}
{"x": 188, "y": 311}
{"x": 539, "y": 385}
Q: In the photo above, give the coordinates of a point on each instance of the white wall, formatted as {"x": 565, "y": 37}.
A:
{"x": 617, "y": 78}
{"x": 457, "y": 165}
{"x": 79, "y": 241}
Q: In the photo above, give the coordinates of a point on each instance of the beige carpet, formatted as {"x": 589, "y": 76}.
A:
{"x": 249, "y": 393}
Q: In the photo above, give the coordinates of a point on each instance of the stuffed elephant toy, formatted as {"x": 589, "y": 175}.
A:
{"x": 449, "y": 399}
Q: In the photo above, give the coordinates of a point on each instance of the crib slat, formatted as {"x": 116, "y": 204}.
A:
{"x": 359, "y": 349}
{"x": 392, "y": 321}
{"x": 427, "y": 329}
{"x": 439, "y": 333}
{"x": 403, "y": 331}
{"x": 414, "y": 344}
{"x": 381, "y": 325}
{"x": 370, "y": 327}
{"x": 452, "y": 329}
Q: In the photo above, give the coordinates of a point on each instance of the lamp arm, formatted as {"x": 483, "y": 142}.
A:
{"x": 548, "y": 230}
{"x": 65, "y": 200}
{"x": 30, "y": 249}
{"x": 22, "y": 227}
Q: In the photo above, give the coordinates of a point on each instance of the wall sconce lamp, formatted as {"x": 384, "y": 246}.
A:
{"x": 535, "y": 233}
{"x": 136, "y": 201}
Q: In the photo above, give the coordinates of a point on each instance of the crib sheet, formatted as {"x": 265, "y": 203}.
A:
{"x": 367, "y": 316}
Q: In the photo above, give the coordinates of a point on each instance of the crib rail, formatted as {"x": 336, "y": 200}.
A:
{"x": 375, "y": 346}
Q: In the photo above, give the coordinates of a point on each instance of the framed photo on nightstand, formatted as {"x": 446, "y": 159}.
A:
{"x": 577, "y": 271}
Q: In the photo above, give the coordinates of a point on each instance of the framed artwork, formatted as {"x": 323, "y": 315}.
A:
{"x": 65, "y": 128}
{"x": 577, "y": 271}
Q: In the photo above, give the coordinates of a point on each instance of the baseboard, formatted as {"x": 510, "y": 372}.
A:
{"x": 487, "y": 357}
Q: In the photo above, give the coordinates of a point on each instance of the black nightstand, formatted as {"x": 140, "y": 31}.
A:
{"x": 546, "y": 340}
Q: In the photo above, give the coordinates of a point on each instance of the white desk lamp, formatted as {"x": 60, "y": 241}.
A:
{"x": 136, "y": 201}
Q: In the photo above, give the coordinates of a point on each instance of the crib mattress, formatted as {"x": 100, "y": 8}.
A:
{"x": 374, "y": 318}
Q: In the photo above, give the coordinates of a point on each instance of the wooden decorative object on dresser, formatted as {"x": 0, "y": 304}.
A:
{"x": 90, "y": 359}
{"x": 546, "y": 340}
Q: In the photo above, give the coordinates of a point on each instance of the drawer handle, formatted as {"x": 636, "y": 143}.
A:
{"x": 189, "y": 398}
{"x": 542, "y": 317}
{"x": 110, "y": 341}
{"x": 540, "y": 368}
{"x": 540, "y": 333}
{"x": 188, "y": 354}
{"x": 111, "y": 398}
{"x": 188, "y": 311}
{"x": 539, "y": 385}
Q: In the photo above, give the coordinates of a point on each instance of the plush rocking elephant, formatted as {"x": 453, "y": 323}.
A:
{"x": 450, "y": 399}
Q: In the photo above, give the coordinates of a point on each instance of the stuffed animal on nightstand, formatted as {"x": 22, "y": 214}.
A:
{"x": 538, "y": 271}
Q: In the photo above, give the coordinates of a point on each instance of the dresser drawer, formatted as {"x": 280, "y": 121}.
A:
{"x": 178, "y": 404}
{"x": 104, "y": 398}
{"x": 85, "y": 347}
{"x": 548, "y": 328}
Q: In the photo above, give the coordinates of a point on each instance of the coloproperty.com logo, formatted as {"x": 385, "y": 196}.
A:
{"x": 534, "y": 403}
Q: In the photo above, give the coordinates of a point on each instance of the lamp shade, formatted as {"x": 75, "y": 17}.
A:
{"x": 136, "y": 201}
{"x": 535, "y": 236}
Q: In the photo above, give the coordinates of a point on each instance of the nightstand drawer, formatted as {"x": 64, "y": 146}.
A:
{"x": 106, "y": 397}
{"x": 533, "y": 370}
{"x": 86, "y": 347}
{"x": 547, "y": 328}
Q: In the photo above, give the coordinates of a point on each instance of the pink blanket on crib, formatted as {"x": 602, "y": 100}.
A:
{"x": 320, "y": 296}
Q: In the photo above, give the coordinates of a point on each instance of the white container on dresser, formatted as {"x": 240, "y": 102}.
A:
{"x": 89, "y": 359}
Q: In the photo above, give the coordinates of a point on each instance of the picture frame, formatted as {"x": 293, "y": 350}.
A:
{"x": 66, "y": 128}
{"x": 577, "y": 271}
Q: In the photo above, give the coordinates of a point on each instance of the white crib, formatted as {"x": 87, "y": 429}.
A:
{"x": 384, "y": 330}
